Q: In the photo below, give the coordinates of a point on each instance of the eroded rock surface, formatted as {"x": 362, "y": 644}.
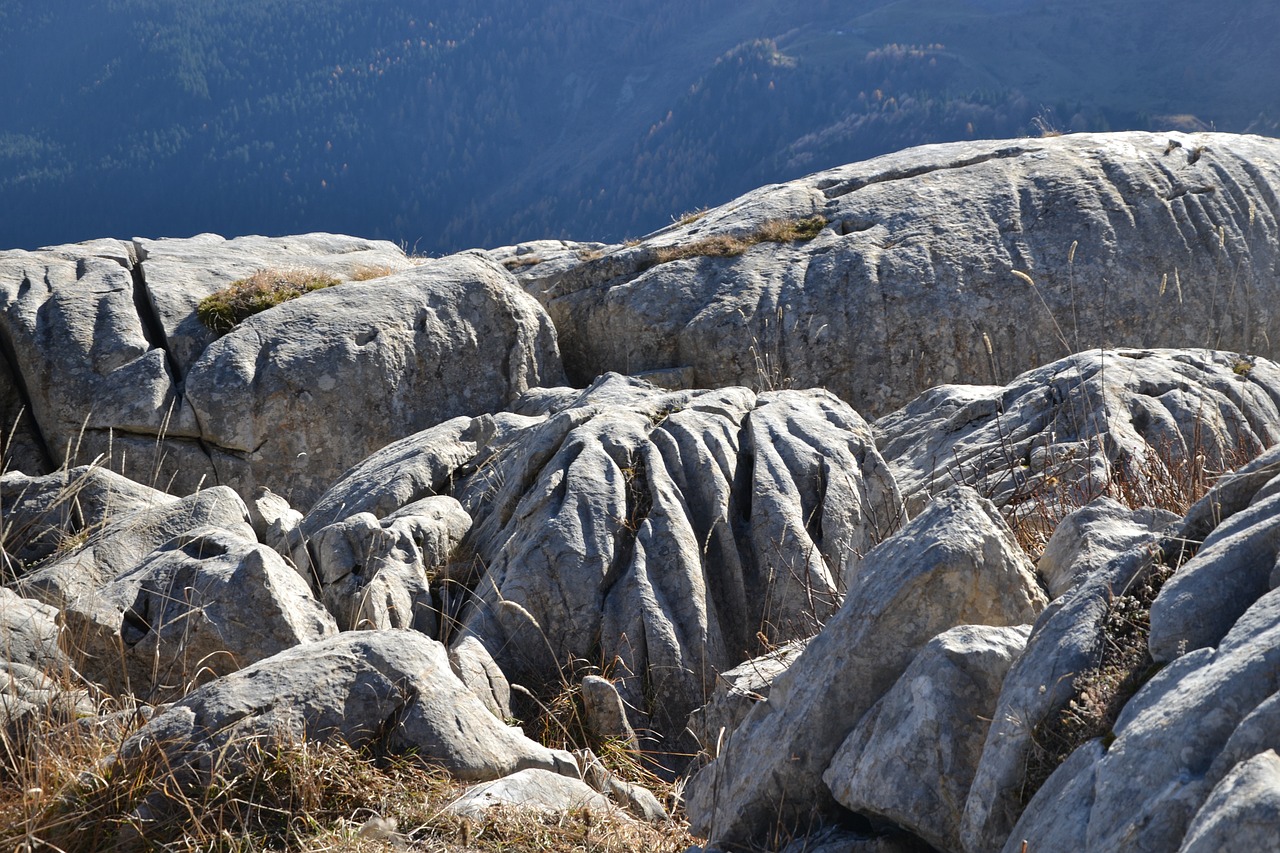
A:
{"x": 660, "y": 532}
{"x": 1143, "y": 424}
{"x": 1131, "y": 239}
{"x": 955, "y": 564}
{"x": 106, "y": 356}
{"x": 389, "y": 690}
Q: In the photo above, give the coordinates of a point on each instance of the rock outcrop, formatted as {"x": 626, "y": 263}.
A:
{"x": 1136, "y": 423}
{"x": 920, "y": 276}
{"x": 392, "y": 690}
{"x": 106, "y": 357}
{"x": 955, "y": 564}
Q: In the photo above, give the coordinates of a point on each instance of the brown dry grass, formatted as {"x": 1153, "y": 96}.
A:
{"x": 223, "y": 311}
{"x": 732, "y": 245}
{"x": 276, "y": 795}
{"x": 368, "y": 273}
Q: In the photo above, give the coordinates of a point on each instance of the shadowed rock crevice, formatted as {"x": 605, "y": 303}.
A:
{"x": 21, "y": 429}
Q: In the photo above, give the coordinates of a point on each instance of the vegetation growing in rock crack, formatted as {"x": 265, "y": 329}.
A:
{"x": 732, "y": 245}
{"x": 223, "y": 311}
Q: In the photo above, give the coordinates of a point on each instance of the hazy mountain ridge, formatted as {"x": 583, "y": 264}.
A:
{"x": 534, "y": 118}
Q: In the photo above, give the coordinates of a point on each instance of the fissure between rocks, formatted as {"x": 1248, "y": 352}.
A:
{"x": 10, "y": 363}
{"x": 837, "y": 190}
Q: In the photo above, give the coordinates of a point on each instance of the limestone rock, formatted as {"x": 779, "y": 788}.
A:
{"x": 389, "y": 690}
{"x": 127, "y": 539}
{"x": 384, "y": 358}
{"x": 42, "y": 515}
{"x": 407, "y": 470}
{"x": 275, "y": 523}
{"x": 91, "y": 367}
{"x": 1142, "y": 423}
{"x": 29, "y": 633}
{"x": 377, "y": 574}
{"x": 664, "y": 530}
{"x": 1131, "y": 239}
{"x": 1066, "y": 641}
{"x": 1179, "y": 738}
{"x": 954, "y": 564}
{"x": 1233, "y": 567}
{"x": 1060, "y": 820}
{"x": 736, "y": 691}
{"x": 605, "y": 714}
{"x": 205, "y": 604}
{"x": 534, "y": 790}
{"x": 1088, "y": 538}
{"x": 178, "y": 273}
{"x": 475, "y": 668}
{"x": 1242, "y": 812}
{"x": 911, "y": 758}
{"x": 34, "y": 705}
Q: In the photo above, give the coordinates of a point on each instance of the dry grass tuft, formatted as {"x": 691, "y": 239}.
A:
{"x": 280, "y": 794}
{"x": 522, "y": 261}
{"x": 368, "y": 273}
{"x": 732, "y": 245}
{"x": 223, "y": 311}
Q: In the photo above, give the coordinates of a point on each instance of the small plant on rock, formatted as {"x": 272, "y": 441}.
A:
{"x": 223, "y": 311}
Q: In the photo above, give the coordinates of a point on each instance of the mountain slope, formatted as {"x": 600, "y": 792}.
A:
{"x": 447, "y": 125}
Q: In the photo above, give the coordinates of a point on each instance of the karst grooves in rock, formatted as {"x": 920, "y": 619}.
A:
{"x": 963, "y": 262}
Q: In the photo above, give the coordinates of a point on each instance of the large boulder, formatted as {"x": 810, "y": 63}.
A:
{"x": 106, "y": 357}
{"x": 1092, "y": 536}
{"x": 911, "y": 758}
{"x": 1147, "y": 426}
{"x": 178, "y": 273}
{"x": 90, "y": 368}
{"x": 1183, "y": 735}
{"x": 921, "y": 275}
{"x": 1079, "y": 664}
{"x": 955, "y": 564}
{"x": 662, "y": 534}
{"x": 293, "y": 397}
{"x": 386, "y": 690}
{"x": 1242, "y": 812}
{"x": 126, "y": 540}
{"x": 205, "y": 604}
{"x": 48, "y": 514}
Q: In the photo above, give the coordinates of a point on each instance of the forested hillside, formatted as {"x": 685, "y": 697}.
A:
{"x": 451, "y": 124}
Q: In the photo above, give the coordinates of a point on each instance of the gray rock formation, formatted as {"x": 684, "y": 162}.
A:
{"x": 662, "y": 531}
{"x": 1090, "y": 537}
{"x": 1068, "y": 641}
{"x": 1178, "y": 739}
{"x": 605, "y": 714}
{"x": 382, "y": 358}
{"x": 1145, "y": 424}
{"x": 389, "y": 690}
{"x": 736, "y": 691}
{"x": 29, "y": 633}
{"x": 1234, "y": 566}
{"x": 44, "y": 515}
{"x": 1242, "y": 812}
{"x": 911, "y": 758}
{"x": 955, "y": 564}
{"x": 126, "y": 540}
{"x": 178, "y": 273}
{"x": 378, "y": 574}
{"x": 476, "y": 668}
{"x": 205, "y": 604}
{"x": 534, "y": 789}
{"x": 106, "y": 357}
{"x": 1129, "y": 239}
